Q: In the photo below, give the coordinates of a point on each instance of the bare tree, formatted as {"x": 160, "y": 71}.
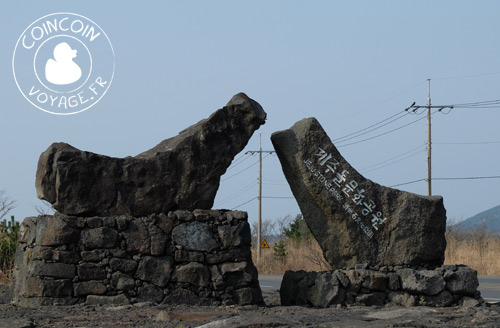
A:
{"x": 45, "y": 208}
{"x": 6, "y": 204}
{"x": 283, "y": 224}
{"x": 267, "y": 229}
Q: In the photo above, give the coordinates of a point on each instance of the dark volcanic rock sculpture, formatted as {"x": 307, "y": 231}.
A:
{"x": 354, "y": 219}
{"x": 182, "y": 172}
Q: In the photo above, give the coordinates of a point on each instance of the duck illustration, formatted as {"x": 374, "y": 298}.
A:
{"x": 62, "y": 69}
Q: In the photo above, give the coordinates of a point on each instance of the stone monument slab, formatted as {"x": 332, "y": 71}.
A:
{"x": 354, "y": 219}
{"x": 182, "y": 172}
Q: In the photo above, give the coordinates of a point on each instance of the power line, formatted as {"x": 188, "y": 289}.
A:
{"x": 467, "y": 143}
{"x": 383, "y": 134}
{"x": 236, "y": 194}
{"x": 239, "y": 172}
{"x": 278, "y": 197}
{"x": 479, "y": 104}
{"x": 470, "y": 178}
{"x": 453, "y": 178}
{"x": 238, "y": 161}
{"x": 407, "y": 183}
{"x": 390, "y": 159}
{"x": 395, "y": 162}
{"x": 244, "y": 203}
{"x": 357, "y": 133}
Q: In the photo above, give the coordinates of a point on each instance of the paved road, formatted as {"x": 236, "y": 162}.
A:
{"x": 489, "y": 286}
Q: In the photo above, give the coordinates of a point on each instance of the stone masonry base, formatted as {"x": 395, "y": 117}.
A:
{"x": 199, "y": 257}
{"x": 448, "y": 285}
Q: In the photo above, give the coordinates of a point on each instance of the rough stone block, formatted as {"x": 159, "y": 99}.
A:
{"x": 92, "y": 256}
{"x": 344, "y": 281}
{"x": 123, "y": 265}
{"x": 53, "y": 231}
{"x": 393, "y": 283}
{"x": 194, "y": 273}
{"x": 375, "y": 281}
{"x": 463, "y": 281}
{"x": 150, "y": 293}
{"x": 371, "y": 299}
{"x": 401, "y": 228}
{"x": 156, "y": 270}
{"x": 91, "y": 271}
{"x": 89, "y": 287}
{"x": 355, "y": 280}
{"x": 49, "y": 254}
{"x": 55, "y": 270}
{"x": 48, "y": 288}
{"x": 325, "y": 291}
{"x": 246, "y": 296}
{"x": 425, "y": 282}
{"x": 165, "y": 223}
{"x": 194, "y": 236}
{"x": 137, "y": 237}
{"x": 181, "y": 172}
{"x": 107, "y": 300}
{"x": 235, "y": 236}
{"x": 99, "y": 238}
{"x": 238, "y": 254}
{"x": 402, "y": 298}
{"x": 182, "y": 255}
{"x": 233, "y": 267}
{"x": 440, "y": 300}
{"x": 158, "y": 240}
{"x": 182, "y": 296}
{"x": 122, "y": 281}
{"x": 294, "y": 286}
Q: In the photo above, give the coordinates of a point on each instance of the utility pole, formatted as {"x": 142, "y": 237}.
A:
{"x": 429, "y": 136}
{"x": 259, "y": 222}
{"x": 429, "y": 143}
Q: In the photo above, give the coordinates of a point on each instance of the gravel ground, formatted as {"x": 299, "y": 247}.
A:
{"x": 273, "y": 315}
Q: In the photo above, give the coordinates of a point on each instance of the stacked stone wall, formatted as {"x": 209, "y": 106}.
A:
{"x": 192, "y": 257}
{"x": 447, "y": 285}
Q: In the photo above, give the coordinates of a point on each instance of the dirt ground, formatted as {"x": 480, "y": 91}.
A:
{"x": 272, "y": 315}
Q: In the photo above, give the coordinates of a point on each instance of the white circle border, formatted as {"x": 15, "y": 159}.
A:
{"x": 14, "y": 71}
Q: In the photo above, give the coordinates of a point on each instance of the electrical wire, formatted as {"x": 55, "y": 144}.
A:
{"x": 454, "y": 178}
{"x": 239, "y": 172}
{"x": 469, "y": 178}
{"x": 238, "y": 161}
{"x": 479, "y": 104}
{"x": 244, "y": 203}
{"x": 357, "y": 133}
{"x": 467, "y": 143}
{"x": 407, "y": 183}
{"x": 395, "y": 162}
{"x": 236, "y": 194}
{"x": 383, "y": 134}
{"x": 278, "y": 197}
{"x": 392, "y": 158}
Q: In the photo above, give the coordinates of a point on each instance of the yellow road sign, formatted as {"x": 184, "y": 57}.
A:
{"x": 264, "y": 244}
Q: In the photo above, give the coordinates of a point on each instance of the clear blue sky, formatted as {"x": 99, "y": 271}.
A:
{"x": 350, "y": 64}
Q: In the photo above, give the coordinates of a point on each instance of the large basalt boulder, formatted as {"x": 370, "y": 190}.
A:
{"x": 182, "y": 172}
{"x": 356, "y": 220}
